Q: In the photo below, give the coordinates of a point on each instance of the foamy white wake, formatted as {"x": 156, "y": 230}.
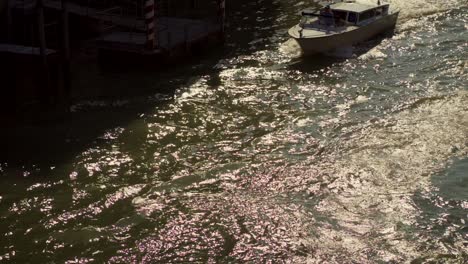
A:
{"x": 291, "y": 48}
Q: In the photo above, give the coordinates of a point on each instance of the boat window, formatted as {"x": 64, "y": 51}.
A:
{"x": 352, "y": 17}
{"x": 339, "y": 15}
{"x": 378, "y": 11}
{"x": 366, "y": 15}
{"x": 385, "y": 10}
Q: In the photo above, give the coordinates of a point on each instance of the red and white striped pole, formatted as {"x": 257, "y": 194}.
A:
{"x": 150, "y": 21}
{"x": 222, "y": 13}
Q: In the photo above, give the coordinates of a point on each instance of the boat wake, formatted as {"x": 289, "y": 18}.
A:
{"x": 291, "y": 48}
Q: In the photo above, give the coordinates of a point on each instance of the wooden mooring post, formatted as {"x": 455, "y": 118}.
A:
{"x": 43, "y": 50}
{"x": 222, "y": 14}
{"x": 151, "y": 28}
{"x": 186, "y": 39}
{"x": 169, "y": 41}
{"x": 9, "y": 20}
{"x": 66, "y": 56}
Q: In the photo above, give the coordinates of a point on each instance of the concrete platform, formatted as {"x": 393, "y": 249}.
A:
{"x": 111, "y": 15}
{"x": 23, "y": 50}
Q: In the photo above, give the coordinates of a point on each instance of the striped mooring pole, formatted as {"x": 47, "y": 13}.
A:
{"x": 222, "y": 13}
{"x": 150, "y": 20}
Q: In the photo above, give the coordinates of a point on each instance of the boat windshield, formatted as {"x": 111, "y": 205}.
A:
{"x": 340, "y": 17}
{"x": 352, "y": 17}
{"x": 366, "y": 15}
{"x": 308, "y": 20}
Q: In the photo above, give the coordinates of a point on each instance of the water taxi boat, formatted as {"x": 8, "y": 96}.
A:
{"x": 342, "y": 24}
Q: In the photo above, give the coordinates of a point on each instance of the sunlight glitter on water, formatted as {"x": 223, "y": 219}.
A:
{"x": 268, "y": 157}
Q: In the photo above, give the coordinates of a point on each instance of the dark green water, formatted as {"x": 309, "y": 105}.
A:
{"x": 255, "y": 155}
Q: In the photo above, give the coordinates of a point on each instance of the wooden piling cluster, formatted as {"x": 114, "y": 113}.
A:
{"x": 157, "y": 31}
{"x": 150, "y": 24}
{"x": 33, "y": 71}
{"x": 164, "y": 36}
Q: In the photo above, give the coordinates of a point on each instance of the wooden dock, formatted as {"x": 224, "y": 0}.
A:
{"x": 172, "y": 33}
{"x": 129, "y": 31}
{"x": 144, "y": 34}
{"x": 129, "y": 34}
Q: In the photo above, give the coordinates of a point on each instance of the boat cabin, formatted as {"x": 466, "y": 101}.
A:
{"x": 356, "y": 13}
{"x": 346, "y": 13}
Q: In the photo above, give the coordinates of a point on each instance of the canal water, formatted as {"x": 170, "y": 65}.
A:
{"x": 255, "y": 154}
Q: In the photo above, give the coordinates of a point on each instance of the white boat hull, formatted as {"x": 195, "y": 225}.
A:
{"x": 332, "y": 41}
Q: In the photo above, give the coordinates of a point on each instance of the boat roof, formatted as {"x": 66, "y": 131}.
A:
{"x": 353, "y": 7}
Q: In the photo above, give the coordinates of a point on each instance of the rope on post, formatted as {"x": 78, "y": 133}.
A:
{"x": 151, "y": 38}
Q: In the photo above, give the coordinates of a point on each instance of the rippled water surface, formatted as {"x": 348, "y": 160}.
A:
{"x": 254, "y": 154}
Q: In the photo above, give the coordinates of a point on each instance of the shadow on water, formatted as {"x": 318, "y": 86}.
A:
{"x": 314, "y": 63}
{"x": 444, "y": 211}
{"x": 119, "y": 95}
